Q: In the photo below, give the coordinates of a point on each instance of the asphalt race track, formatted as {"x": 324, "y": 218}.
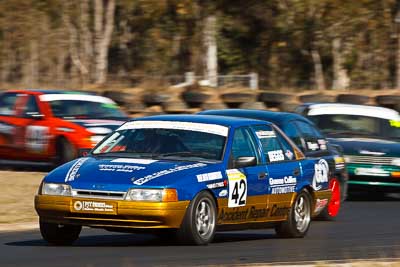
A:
{"x": 364, "y": 230}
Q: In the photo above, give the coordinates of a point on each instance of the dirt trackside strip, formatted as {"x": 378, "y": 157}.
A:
{"x": 17, "y": 191}
{"x": 384, "y": 262}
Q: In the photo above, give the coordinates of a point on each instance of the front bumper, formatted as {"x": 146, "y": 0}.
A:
{"x": 373, "y": 177}
{"x": 373, "y": 186}
{"x": 124, "y": 214}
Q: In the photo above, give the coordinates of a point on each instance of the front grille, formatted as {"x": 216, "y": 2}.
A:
{"x": 387, "y": 179}
{"x": 98, "y": 194}
{"x": 369, "y": 160}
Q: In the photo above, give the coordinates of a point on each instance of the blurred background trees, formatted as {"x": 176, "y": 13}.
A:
{"x": 305, "y": 44}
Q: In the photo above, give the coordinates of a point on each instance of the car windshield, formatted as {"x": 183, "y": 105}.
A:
{"x": 175, "y": 144}
{"x": 339, "y": 125}
{"x": 81, "y": 109}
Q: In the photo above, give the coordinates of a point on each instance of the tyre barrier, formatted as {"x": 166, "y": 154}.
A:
{"x": 154, "y": 99}
{"x": 352, "y": 99}
{"x": 253, "y": 105}
{"x": 195, "y": 99}
{"x": 274, "y": 99}
{"x": 311, "y": 98}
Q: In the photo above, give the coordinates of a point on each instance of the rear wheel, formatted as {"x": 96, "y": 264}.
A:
{"x": 331, "y": 211}
{"x": 59, "y": 234}
{"x": 199, "y": 223}
{"x": 299, "y": 218}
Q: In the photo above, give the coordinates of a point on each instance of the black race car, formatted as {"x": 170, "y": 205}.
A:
{"x": 313, "y": 144}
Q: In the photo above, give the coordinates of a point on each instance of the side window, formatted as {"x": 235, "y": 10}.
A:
{"x": 7, "y": 104}
{"x": 293, "y": 133}
{"x": 31, "y": 107}
{"x": 311, "y": 135}
{"x": 272, "y": 148}
{"x": 244, "y": 144}
{"x": 288, "y": 150}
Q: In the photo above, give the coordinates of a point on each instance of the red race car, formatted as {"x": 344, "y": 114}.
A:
{"x": 51, "y": 126}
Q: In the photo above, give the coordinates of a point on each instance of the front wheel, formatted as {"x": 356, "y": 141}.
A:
{"x": 59, "y": 234}
{"x": 299, "y": 218}
{"x": 199, "y": 223}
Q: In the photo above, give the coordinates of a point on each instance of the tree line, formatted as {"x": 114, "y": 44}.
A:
{"x": 306, "y": 44}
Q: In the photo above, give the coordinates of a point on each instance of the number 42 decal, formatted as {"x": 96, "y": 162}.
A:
{"x": 237, "y": 188}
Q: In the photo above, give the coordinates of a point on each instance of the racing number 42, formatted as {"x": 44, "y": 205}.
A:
{"x": 237, "y": 188}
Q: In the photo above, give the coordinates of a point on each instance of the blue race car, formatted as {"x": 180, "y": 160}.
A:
{"x": 187, "y": 176}
{"x": 311, "y": 142}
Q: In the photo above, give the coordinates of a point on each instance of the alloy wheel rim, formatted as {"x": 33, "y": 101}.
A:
{"x": 334, "y": 203}
{"x": 302, "y": 214}
{"x": 205, "y": 219}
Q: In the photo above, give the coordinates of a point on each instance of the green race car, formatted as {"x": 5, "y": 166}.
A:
{"x": 370, "y": 138}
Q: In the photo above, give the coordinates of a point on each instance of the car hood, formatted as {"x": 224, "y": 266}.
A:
{"x": 119, "y": 174}
{"x": 368, "y": 146}
{"x": 99, "y": 127}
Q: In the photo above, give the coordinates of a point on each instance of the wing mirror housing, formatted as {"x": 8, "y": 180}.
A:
{"x": 83, "y": 152}
{"x": 36, "y": 116}
{"x": 242, "y": 162}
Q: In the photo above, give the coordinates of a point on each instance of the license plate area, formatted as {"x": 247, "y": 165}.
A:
{"x": 94, "y": 207}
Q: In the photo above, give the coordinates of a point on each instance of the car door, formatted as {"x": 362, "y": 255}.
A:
{"x": 9, "y": 123}
{"x": 247, "y": 188}
{"x": 7, "y": 117}
{"x": 283, "y": 169}
{"x": 33, "y": 130}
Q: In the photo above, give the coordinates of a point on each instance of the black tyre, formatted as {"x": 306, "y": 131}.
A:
{"x": 352, "y": 98}
{"x": 275, "y": 99}
{"x": 299, "y": 218}
{"x": 317, "y": 98}
{"x": 58, "y": 234}
{"x": 199, "y": 224}
{"x": 120, "y": 98}
{"x": 64, "y": 151}
{"x": 194, "y": 97}
{"x": 388, "y": 101}
{"x": 152, "y": 99}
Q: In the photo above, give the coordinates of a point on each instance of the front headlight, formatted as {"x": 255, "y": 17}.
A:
{"x": 56, "y": 189}
{"x": 154, "y": 195}
{"x": 396, "y": 162}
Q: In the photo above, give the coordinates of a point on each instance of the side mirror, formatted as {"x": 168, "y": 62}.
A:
{"x": 242, "y": 162}
{"x": 83, "y": 152}
{"x": 339, "y": 148}
{"x": 35, "y": 115}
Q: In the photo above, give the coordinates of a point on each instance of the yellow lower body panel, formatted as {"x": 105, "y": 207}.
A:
{"x": 110, "y": 213}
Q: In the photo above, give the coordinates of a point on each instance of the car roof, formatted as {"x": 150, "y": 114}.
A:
{"x": 50, "y": 91}
{"x": 352, "y": 109}
{"x": 265, "y": 115}
{"x": 208, "y": 119}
